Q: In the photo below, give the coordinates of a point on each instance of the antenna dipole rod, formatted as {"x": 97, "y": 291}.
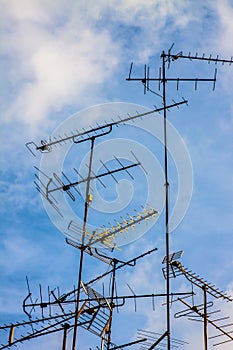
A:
{"x": 163, "y": 56}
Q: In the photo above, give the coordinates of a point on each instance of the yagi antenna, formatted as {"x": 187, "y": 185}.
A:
{"x": 56, "y": 183}
{"x": 177, "y": 269}
{"x": 78, "y": 137}
{"x": 107, "y": 237}
{"x": 201, "y": 311}
{"x": 146, "y": 79}
{"x": 173, "y": 57}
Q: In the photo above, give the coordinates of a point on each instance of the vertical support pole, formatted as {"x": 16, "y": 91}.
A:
{"x": 83, "y": 247}
{"x": 87, "y": 201}
{"x": 111, "y": 302}
{"x": 205, "y": 317}
{"x": 102, "y": 343}
{"x": 166, "y": 199}
{"x": 66, "y": 326}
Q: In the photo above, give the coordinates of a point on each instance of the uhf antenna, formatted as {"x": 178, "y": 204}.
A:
{"x": 107, "y": 236}
{"x": 178, "y": 269}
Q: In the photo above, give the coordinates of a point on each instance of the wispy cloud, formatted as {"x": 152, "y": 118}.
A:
{"x": 57, "y": 54}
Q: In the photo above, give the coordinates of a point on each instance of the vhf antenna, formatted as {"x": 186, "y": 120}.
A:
{"x": 163, "y": 79}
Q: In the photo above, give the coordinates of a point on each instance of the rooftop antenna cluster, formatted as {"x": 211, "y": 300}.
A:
{"x": 85, "y": 306}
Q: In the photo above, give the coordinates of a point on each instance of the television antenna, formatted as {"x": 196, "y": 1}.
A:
{"x": 163, "y": 79}
{"x": 177, "y": 269}
{"x": 87, "y": 302}
{"x": 56, "y": 311}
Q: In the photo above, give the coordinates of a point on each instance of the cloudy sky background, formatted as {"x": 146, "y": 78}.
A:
{"x": 61, "y": 57}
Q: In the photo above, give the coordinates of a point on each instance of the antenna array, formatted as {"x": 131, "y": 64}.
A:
{"x": 83, "y": 306}
{"x": 163, "y": 80}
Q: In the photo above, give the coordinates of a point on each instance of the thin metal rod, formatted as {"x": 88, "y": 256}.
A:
{"x": 11, "y": 335}
{"x": 129, "y": 344}
{"x": 173, "y": 79}
{"x": 166, "y": 199}
{"x": 205, "y": 317}
{"x": 64, "y": 338}
{"x": 111, "y": 303}
{"x": 119, "y": 297}
{"x": 102, "y": 343}
{"x": 133, "y": 261}
{"x": 87, "y": 202}
{"x": 158, "y": 341}
{"x": 78, "y": 300}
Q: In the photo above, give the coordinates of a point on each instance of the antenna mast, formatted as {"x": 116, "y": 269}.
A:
{"x": 163, "y": 79}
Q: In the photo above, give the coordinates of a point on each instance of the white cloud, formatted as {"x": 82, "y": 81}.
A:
{"x": 60, "y": 54}
{"x": 224, "y": 11}
{"x": 55, "y": 69}
{"x": 220, "y": 42}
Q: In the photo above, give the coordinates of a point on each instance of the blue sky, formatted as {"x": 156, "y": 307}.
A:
{"x": 62, "y": 58}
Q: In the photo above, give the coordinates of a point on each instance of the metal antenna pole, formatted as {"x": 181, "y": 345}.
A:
{"x": 112, "y": 302}
{"x": 163, "y": 56}
{"x": 66, "y": 327}
{"x": 87, "y": 202}
{"x": 205, "y": 317}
